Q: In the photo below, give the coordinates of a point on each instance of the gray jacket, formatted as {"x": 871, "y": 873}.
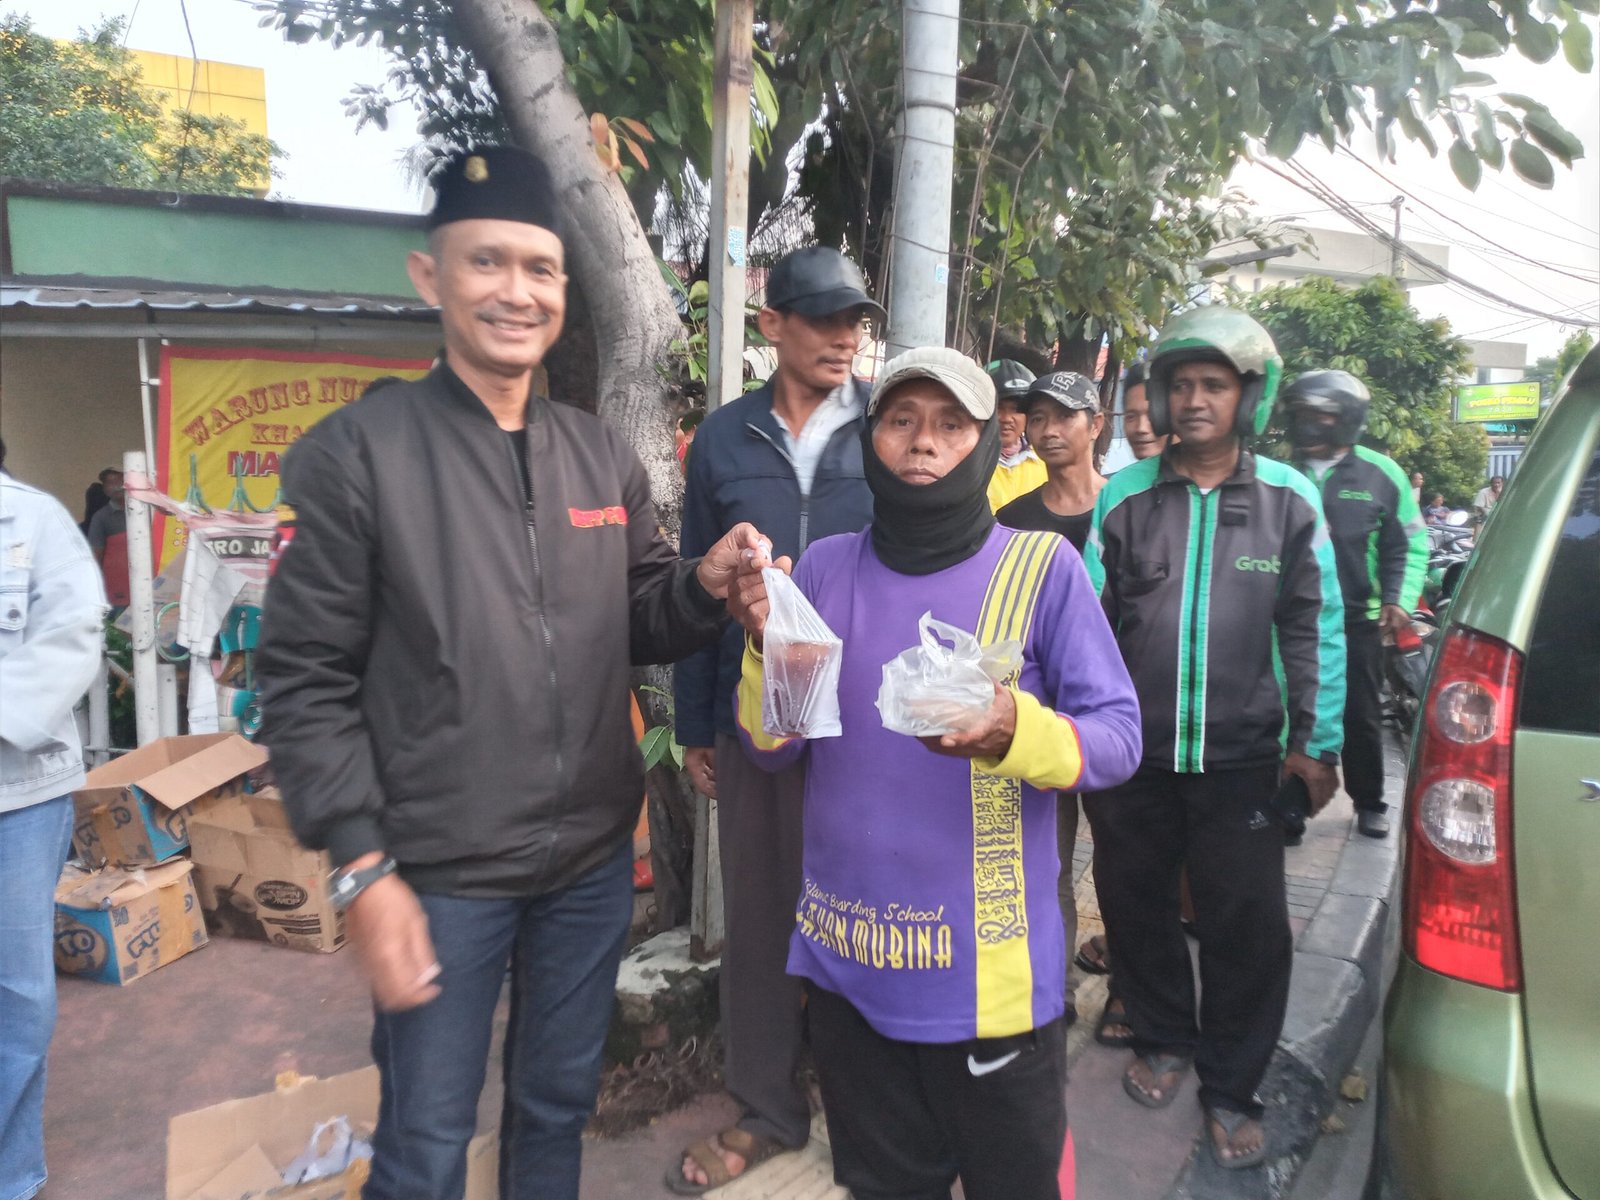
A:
{"x": 52, "y": 603}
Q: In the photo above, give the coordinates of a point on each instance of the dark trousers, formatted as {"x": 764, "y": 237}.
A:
{"x": 1066, "y": 839}
{"x": 905, "y": 1119}
{"x": 1220, "y": 825}
{"x": 763, "y": 1018}
{"x": 1362, "y": 759}
{"x": 563, "y": 949}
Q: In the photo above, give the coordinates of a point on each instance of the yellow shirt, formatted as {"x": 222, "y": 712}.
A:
{"x": 1018, "y": 480}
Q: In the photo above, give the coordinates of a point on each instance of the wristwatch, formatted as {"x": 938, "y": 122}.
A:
{"x": 345, "y": 885}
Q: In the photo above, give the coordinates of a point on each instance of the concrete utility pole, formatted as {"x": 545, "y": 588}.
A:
{"x": 919, "y": 255}
{"x": 1396, "y": 263}
{"x": 732, "y": 74}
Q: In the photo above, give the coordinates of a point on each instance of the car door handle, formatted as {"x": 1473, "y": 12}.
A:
{"x": 1594, "y": 790}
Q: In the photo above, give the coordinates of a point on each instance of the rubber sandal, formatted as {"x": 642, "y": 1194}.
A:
{"x": 751, "y": 1147}
{"x": 1158, "y": 1065}
{"x": 1230, "y": 1123}
{"x": 1108, "y": 1019}
{"x": 1098, "y": 965}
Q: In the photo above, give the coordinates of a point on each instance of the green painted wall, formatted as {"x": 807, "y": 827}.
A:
{"x": 59, "y": 236}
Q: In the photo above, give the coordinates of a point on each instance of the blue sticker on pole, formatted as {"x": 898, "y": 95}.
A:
{"x": 941, "y": 274}
{"x": 736, "y": 245}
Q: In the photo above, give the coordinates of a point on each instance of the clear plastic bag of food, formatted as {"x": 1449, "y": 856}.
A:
{"x": 800, "y": 695}
{"x": 944, "y": 683}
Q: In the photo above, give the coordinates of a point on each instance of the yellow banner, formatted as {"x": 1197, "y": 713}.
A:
{"x": 228, "y": 416}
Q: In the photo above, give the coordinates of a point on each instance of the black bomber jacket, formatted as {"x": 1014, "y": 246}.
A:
{"x": 444, "y": 663}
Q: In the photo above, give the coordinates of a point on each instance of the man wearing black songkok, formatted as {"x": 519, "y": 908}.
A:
{"x": 444, "y": 665}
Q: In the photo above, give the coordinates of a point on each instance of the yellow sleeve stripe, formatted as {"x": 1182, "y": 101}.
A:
{"x": 1045, "y": 750}
{"x": 748, "y": 710}
{"x": 1008, "y": 604}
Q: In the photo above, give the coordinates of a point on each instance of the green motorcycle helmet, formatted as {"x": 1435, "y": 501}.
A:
{"x": 1214, "y": 333}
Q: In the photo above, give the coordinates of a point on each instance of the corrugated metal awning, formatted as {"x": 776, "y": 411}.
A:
{"x": 18, "y": 296}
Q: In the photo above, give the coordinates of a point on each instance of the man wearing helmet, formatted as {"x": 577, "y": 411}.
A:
{"x": 1020, "y": 470}
{"x": 1381, "y": 546}
{"x": 1215, "y": 569}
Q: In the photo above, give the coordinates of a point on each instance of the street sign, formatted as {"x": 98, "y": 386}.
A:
{"x": 1508, "y": 428}
{"x": 1498, "y": 402}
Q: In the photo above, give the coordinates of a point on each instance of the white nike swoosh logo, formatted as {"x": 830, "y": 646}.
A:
{"x": 981, "y": 1069}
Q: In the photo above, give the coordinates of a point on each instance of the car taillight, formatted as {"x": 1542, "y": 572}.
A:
{"x": 1460, "y": 914}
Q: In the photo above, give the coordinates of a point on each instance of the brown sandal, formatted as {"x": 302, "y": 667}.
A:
{"x": 751, "y": 1147}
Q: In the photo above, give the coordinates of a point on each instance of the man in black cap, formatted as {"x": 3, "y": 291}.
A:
{"x": 786, "y": 457}
{"x": 1019, "y": 470}
{"x": 444, "y": 668}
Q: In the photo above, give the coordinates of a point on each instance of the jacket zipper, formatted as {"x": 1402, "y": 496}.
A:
{"x": 805, "y": 495}
{"x": 544, "y": 623}
{"x": 1194, "y": 626}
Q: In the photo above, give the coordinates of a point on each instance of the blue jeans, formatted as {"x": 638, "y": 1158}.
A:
{"x": 563, "y": 949}
{"x": 33, "y": 845}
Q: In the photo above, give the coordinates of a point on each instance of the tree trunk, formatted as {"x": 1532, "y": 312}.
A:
{"x": 609, "y": 257}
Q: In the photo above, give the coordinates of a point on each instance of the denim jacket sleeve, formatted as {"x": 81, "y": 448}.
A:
{"x": 52, "y": 602}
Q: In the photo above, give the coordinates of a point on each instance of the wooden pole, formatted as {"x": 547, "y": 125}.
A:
{"x": 733, "y": 74}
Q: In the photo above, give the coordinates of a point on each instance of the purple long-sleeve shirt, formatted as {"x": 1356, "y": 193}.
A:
{"x": 929, "y": 897}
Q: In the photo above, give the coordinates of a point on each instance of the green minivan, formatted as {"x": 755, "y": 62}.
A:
{"x": 1492, "y": 1026}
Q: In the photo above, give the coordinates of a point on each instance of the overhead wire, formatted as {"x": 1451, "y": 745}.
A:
{"x": 1302, "y": 177}
{"x": 1457, "y": 221}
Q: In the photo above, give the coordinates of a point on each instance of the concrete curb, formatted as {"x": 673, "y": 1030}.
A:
{"x": 1333, "y": 998}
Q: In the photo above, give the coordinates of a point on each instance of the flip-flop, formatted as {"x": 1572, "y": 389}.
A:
{"x": 1230, "y": 1123}
{"x": 1108, "y": 1019}
{"x": 1158, "y": 1065}
{"x": 1092, "y": 966}
{"x": 751, "y": 1147}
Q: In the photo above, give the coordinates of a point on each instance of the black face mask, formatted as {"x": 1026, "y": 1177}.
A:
{"x": 920, "y": 528}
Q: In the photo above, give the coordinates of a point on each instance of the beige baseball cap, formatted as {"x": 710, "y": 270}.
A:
{"x": 950, "y": 369}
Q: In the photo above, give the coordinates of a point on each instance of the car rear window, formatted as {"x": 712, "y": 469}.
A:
{"x": 1561, "y": 685}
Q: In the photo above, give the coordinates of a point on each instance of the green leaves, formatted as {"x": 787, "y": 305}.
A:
{"x": 1465, "y": 163}
{"x": 1528, "y": 161}
{"x": 658, "y": 745}
{"x": 1578, "y": 44}
{"x": 1537, "y": 40}
{"x": 1548, "y": 132}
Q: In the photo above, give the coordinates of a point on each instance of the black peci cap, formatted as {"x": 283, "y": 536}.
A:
{"x": 496, "y": 183}
{"x": 818, "y": 282}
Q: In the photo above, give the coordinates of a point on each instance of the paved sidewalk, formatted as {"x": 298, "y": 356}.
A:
{"x": 220, "y": 1023}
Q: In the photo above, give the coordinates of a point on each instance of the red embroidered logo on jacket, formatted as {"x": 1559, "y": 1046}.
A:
{"x": 593, "y": 518}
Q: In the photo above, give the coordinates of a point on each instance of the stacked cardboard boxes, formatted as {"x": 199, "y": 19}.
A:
{"x": 176, "y": 841}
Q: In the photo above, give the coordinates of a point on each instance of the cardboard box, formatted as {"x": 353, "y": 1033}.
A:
{"x": 256, "y": 881}
{"x": 118, "y": 925}
{"x": 130, "y": 811}
{"x": 238, "y": 1149}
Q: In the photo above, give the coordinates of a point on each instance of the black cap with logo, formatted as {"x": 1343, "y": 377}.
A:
{"x": 1066, "y": 388}
{"x": 818, "y": 282}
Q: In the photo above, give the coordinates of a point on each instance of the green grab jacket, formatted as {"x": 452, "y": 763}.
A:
{"x": 1379, "y": 540}
{"x": 1226, "y": 606}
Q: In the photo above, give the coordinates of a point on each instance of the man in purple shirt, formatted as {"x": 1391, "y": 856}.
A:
{"x": 927, "y": 930}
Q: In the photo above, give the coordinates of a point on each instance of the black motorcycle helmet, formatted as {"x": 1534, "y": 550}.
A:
{"x": 1319, "y": 394}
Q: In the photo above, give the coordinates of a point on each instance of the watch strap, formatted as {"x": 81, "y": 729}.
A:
{"x": 345, "y": 885}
